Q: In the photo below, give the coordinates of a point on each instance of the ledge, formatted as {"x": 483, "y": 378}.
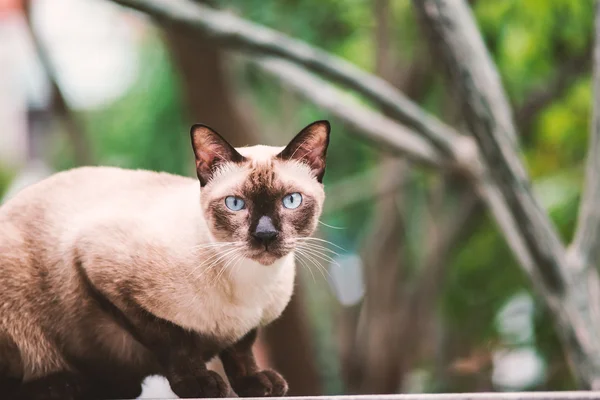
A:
{"x": 578, "y": 395}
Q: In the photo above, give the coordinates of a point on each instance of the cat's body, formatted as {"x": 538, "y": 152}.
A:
{"x": 112, "y": 275}
{"x": 105, "y": 219}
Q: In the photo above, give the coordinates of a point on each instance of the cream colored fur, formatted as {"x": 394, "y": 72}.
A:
{"x": 129, "y": 225}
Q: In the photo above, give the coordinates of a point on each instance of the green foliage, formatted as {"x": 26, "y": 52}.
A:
{"x": 340, "y": 26}
{"x": 529, "y": 38}
{"x": 6, "y": 177}
{"x": 145, "y": 129}
{"x": 562, "y": 130}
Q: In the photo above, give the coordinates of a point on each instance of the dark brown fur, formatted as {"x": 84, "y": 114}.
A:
{"x": 176, "y": 353}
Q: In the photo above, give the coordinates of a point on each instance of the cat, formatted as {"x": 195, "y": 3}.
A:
{"x": 110, "y": 275}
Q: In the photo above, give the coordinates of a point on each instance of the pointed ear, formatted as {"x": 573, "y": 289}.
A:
{"x": 310, "y": 147}
{"x": 211, "y": 150}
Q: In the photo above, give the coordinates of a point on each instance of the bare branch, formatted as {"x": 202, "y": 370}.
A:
{"x": 571, "y": 293}
{"x": 359, "y": 188}
{"x": 517, "y": 213}
{"x": 372, "y": 125}
{"x": 237, "y": 33}
{"x": 586, "y": 244}
{"x": 488, "y": 115}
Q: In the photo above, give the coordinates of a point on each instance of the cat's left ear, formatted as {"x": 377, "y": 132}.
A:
{"x": 310, "y": 146}
{"x": 211, "y": 151}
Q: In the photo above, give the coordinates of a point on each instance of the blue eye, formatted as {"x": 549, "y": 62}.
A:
{"x": 292, "y": 200}
{"x": 234, "y": 203}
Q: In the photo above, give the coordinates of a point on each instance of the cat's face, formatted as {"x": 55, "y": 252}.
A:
{"x": 263, "y": 199}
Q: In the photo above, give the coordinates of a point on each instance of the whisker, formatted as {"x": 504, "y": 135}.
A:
{"x": 233, "y": 260}
{"x": 216, "y": 244}
{"x": 318, "y": 247}
{"x": 232, "y": 254}
{"x": 238, "y": 263}
{"x": 322, "y": 256}
{"x": 321, "y": 249}
{"x": 204, "y": 262}
{"x": 316, "y": 263}
{"x": 303, "y": 263}
{"x": 214, "y": 260}
{"x": 319, "y": 266}
{"x": 331, "y": 226}
{"x": 309, "y": 238}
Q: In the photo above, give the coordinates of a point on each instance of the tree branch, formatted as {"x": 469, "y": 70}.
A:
{"x": 570, "y": 293}
{"x": 371, "y": 124}
{"x": 488, "y": 115}
{"x": 585, "y": 247}
{"x": 359, "y": 188}
{"x": 237, "y": 33}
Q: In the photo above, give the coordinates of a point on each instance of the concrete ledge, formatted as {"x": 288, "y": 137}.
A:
{"x": 581, "y": 395}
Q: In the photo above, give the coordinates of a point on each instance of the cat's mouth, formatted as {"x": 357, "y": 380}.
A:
{"x": 267, "y": 254}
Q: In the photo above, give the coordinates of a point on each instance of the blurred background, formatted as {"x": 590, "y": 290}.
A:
{"x": 424, "y": 294}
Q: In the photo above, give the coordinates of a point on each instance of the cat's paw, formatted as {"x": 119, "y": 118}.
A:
{"x": 209, "y": 384}
{"x": 267, "y": 383}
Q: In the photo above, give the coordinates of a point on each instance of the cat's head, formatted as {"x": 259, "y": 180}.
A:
{"x": 262, "y": 198}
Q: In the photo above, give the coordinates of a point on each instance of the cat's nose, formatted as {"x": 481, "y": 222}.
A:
{"x": 265, "y": 231}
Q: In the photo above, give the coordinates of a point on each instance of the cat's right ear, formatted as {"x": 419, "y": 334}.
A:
{"x": 211, "y": 150}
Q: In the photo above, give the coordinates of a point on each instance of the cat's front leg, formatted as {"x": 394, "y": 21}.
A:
{"x": 244, "y": 374}
{"x": 192, "y": 381}
{"x": 180, "y": 354}
{"x": 183, "y": 356}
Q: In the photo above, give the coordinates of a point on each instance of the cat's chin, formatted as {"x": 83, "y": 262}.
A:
{"x": 268, "y": 258}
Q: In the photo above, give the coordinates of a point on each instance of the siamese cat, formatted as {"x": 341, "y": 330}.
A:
{"x": 110, "y": 275}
